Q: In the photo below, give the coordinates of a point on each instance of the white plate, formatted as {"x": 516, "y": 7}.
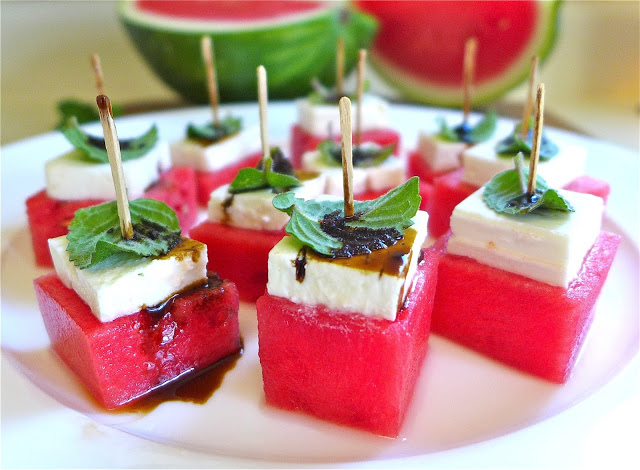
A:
{"x": 461, "y": 398}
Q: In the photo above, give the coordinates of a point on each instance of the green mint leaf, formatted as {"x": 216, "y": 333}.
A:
{"x": 210, "y": 133}
{"x": 320, "y": 94}
{"x": 94, "y": 149}
{"x": 514, "y": 143}
{"x": 83, "y": 112}
{"x": 95, "y": 239}
{"x": 467, "y": 133}
{"x": 364, "y": 156}
{"x": 504, "y": 194}
{"x": 377, "y": 224}
{"x": 265, "y": 176}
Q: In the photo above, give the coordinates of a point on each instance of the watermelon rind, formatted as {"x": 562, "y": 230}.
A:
{"x": 424, "y": 91}
{"x": 293, "y": 49}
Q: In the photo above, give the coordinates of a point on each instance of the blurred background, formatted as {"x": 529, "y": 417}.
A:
{"x": 591, "y": 76}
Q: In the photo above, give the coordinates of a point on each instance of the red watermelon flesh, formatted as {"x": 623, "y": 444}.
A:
{"x": 124, "y": 359}
{"x": 416, "y": 166}
{"x": 50, "y": 218}
{"x": 348, "y": 369}
{"x": 238, "y": 254}
{"x": 207, "y": 181}
{"x": 302, "y": 141}
{"x": 529, "y": 325}
{"x": 233, "y": 10}
{"x": 449, "y": 191}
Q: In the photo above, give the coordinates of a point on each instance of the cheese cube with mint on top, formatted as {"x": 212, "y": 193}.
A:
{"x": 243, "y": 225}
{"x": 531, "y": 269}
{"x": 344, "y": 324}
{"x": 82, "y": 178}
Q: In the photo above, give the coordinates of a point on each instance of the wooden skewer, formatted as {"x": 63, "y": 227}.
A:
{"x": 526, "y": 114}
{"x": 362, "y": 56}
{"x": 262, "y": 106}
{"x": 212, "y": 81}
{"x": 97, "y": 73}
{"x": 347, "y": 163}
{"x": 340, "y": 67}
{"x": 115, "y": 161}
{"x": 537, "y": 138}
{"x": 470, "y": 48}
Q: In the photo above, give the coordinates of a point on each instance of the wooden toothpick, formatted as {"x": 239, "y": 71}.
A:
{"x": 212, "y": 81}
{"x": 537, "y": 138}
{"x": 347, "y": 163}
{"x": 340, "y": 66}
{"x": 262, "y": 106}
{"x": 470, "y": 48}
{"x": 115, "y": 161}
{"x": 97, "y": 73}
{"x": 362, "y": 56}
{"x": 526, "y": 114}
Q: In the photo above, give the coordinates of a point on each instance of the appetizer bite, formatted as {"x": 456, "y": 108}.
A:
{"x": 242, "y": 224}
{"x": 344, "y": 323}
{"x": 531, "y": 262}
{"x": 131, "y": 306}
{"x": 82, "y": 178}
{"x": 318, "y": 115}
{"x": 218, "y": 149}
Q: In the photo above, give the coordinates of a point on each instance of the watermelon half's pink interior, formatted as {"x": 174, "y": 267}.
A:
{"x": 229, "y": 10}
{"x": 435, "y": 31}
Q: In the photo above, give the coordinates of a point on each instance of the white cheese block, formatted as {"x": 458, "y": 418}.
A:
{"x": 481, "y": 163}
{"x": 254, "y": 209}
{"x": 134, "y": 285}
{"x": 72, "y": 177}
{"x": 347, "y": 288}
{"x": 216, "y": 156}
{"x": 439, "y": 154}
{"x": 547, "y": 247}
{"x": 318, "y": 119}
{"x": 391, "y": 173}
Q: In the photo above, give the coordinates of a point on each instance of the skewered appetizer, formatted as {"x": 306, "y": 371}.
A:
{"x": 82, "y": 178}
{"x": 130, "y": 306}
{"x": 344, "y": 324}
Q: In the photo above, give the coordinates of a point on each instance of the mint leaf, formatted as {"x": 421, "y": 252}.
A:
{"x": 265, "y": 176}
{"x": 320, "y": 94}
{"x": 376, "y": 224}
{"x": 504, "y": 195}
{"x": 467, "y": 133}
{"x": 95, "y": 239}
{"x": 94, "y": 149}
{"x": 364, "y": 156}
{"x": 84, "y": 112}
{"x": 514, "y": 143}
{"x": 210, "y": 133}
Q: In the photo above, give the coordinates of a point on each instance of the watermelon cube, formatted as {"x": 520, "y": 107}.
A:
{"x": 207, "y": 181}
{"x": 238, "y": 254}
{"x": 49, "y": 218}
{"x": 529, "y": 325}
{"x": 124, "y": 359}
{"x": 449, "y": 190}
{"x": 346, "y": 368}
{"x": 302, "y": 141}
{"x": 416, "y": 166}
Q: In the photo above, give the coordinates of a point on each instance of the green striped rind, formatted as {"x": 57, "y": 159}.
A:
{"x": 293, "y": 52}
{"x": 424, "y": 91}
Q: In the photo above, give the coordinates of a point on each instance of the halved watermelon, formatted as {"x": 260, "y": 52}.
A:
{"x": 420, "y": 46}
{"x": 295, "y": 41}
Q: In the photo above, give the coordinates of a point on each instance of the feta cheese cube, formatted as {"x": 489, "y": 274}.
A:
{"x": 389, "y": 174}
{"x": 365, "y": 284}
{"x": 317, "y": 119}
{"x": 440, "y": 155}
{"x": 216, "y": 156}
{"x": 548, "y": 247}
{"x": 254, "y": 209}
{"x": 481, "y": 163}
{"x": 72, "y": 177}
{"x": 131, "y": 286}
